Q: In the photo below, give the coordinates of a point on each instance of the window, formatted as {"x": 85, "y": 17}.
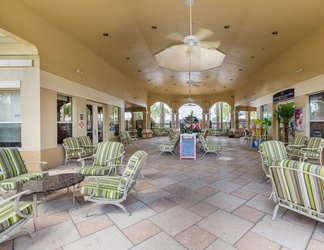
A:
{"x": 10, "y": 120}
{"x": 316, "y": 105}
{"x": 64, "y": 118}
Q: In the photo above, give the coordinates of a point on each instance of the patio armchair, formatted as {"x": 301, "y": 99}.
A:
{"x": 270, "y": 151}
{"x": 73, "y": 149}
{"x": 86, "y": 143}
{"x": 170, "y": 146}
{"x": 299, "y": 187}
{"x": 124, "y": 139}
{"x": 132, "y": 139}
{"x": 13, "y": 170}
{"x": 14, "y": 215}
{"x": 208, "y": 147}
{"x": 299, "y": 142}
{"x": 313, "y": 152}
{"x": 114, "y": 189}
{"x": 106, "y": 161}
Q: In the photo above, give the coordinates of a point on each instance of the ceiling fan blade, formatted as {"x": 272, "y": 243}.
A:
{"x": 209, "y": 44}
{"x": 175, "y": 36}
{"x": 202, "y": 33}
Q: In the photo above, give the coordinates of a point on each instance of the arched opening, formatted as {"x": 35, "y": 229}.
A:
{"x": 160, "y": 115}
{"x": 220, "y": 116}
{"x": 190, "y": 116}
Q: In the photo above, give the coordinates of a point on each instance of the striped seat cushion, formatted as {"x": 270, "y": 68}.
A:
{"x": 296, "y": 188}
{"x": 108, "y": 188}
{"x": 94, "y": 171}
{"x": 11, "y": 163}
{"x": 8, "y": 216}
{"x": 14, "y": 182}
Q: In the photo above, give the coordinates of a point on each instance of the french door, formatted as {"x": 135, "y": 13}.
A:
{"x": 95, "y": 124}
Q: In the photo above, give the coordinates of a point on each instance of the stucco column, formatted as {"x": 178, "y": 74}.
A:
{"x": 205, "y": 120}
{"x": 247, "y": 119}
{"x": 134, "y": 130}
{"x": 146, "y": 132}
{"x": 177, "y": 125}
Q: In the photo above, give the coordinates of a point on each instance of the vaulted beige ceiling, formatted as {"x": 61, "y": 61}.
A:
{"x": 258, "y": 32}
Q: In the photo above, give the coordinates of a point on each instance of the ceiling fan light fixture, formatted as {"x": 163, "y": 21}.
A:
{"x": 189, "y": 2}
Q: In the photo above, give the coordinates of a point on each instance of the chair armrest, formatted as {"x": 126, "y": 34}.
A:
{"x": 295, "y": 146}
{"x": 311, "y": 149}
{"x": 16, "y": 199}
{"x": 40, "y": 163}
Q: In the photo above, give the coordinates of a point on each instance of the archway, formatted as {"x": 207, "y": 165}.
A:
{"x": 220, "y": 116}
{"x": 160, "y": 115}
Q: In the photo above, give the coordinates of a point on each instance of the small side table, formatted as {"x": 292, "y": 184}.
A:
{"x": 51, "y": 183}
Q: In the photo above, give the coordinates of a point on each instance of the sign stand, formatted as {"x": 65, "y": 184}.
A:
{"x": 188, "y": 146}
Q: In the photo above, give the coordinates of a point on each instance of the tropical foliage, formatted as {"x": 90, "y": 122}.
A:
{"x": 284, "y": 115}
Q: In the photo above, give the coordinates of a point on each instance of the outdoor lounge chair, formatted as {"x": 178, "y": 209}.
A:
{"x": 114, "y": 189}
{"x": 14, "y": 171}
{"x": 313, "y": 151}
{"x": 14, "y": 214}
{"x": 73, "y": 149}
{"x": 106, "y": 161}
{"x": 297, "y": 144}
{"x": 270, "y": 151}
{"x": 208, "y": 147}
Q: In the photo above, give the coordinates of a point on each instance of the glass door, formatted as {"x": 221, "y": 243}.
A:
{"x": 95, "y": 124}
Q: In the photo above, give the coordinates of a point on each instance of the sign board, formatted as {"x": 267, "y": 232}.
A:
{"x": 81, "y": 124}
{"x": 284, "y": 95}
{"x": 188, "y": 146}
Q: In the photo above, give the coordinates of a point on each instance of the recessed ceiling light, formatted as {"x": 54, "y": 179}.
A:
{"x": 127, "y": 58}
{"x": 252, "y": 56}
{"x": 226, "y": 27}
{"x": 105, "y": 34}
{"x": 166, "y": 89}
{"x": 148, "y": 80}
{"x": 154, "y": 27}
{"x": 240, "y": 69}
{"x": 139, "y": 70}
{"x": 274, "y": 33}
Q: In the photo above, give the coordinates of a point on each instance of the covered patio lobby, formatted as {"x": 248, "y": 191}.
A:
{"x": 209, "y": 203}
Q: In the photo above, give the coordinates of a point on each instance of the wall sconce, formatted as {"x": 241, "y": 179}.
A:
{"x": 269, "y": 116}
{"x": 299, "y": 70}
{"x": 79, "y": 71}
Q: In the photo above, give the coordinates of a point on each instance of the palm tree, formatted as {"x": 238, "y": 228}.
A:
{"x": 284, "y": 114}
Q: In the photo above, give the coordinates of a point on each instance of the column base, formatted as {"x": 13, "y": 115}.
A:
{"x": 147, "y": 134}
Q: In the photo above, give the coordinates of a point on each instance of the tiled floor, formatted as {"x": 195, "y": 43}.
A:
{"x": 211, "y": 203}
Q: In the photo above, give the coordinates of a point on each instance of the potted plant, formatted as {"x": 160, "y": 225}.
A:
{"x": 284, "y": 114}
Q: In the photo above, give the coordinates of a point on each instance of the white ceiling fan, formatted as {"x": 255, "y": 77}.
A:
{"x": 196, "y": 39}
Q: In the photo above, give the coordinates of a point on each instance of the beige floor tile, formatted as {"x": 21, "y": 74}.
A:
{"x": 248, "y": 213}
{"x": 93, "y": 225}
{"x": 202, "y": 209}
{"x": 141, "y": 231}
{"x": 52, "y": 219}
{"x": 244, "y": 194}
{"x": 254, "y": 241}
{"x": 195, "y": 238}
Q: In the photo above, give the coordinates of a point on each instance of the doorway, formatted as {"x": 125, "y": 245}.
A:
{"x": 95, "y": 125}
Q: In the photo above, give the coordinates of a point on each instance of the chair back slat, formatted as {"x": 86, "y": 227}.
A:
{"x": 71, "y": 142}
{"x": 271, "y": 150}
{"x": 85, "y": 141}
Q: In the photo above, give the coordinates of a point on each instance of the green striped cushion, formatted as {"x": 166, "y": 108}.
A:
{"x": 85, "y": 141}
{"x": 272, "y": 150}
{"x": 71, "y": 142}
{"x": 14, "y": 182}
{"x": 94, "y": 171}
{"x": 107, "y": 188}
{"x": 11, "y": 163}
{"x": 299, "y": 140}
{"x": 308, "y": 193}
{"x": 132, "y": 169}
{"x": 108, "y": 150}
{"x": 315, "y": 142}
{"x": 8, "y": 217}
